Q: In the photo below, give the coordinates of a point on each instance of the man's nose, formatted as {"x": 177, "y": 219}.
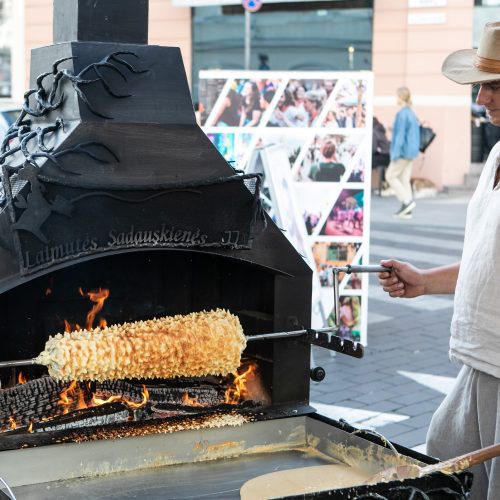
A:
{"x": 483, "y": 96}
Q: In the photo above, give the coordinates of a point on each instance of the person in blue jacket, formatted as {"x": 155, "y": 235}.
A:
{"x": 404, "y": 149}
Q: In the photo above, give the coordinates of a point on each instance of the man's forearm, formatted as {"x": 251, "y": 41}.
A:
{"x": 441, "y": 279}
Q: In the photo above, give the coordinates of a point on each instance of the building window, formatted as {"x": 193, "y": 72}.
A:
{"x": 6, "y": 14}
{"x": 293, "y": 36}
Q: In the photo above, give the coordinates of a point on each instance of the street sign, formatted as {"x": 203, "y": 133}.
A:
{"x": 252, "y": 5}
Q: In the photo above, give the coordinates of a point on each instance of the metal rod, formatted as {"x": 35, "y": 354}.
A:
{"x": 264, "y": 336}
{"x": 294, "y": 333}
{"x": 19, "y": 362}
{"x": 248, "y": 37}
{"x": 336, "y": 298}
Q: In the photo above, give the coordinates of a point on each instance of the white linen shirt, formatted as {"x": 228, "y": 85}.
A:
{"x": 475, "y": 327}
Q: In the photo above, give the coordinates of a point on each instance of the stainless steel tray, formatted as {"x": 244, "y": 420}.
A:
{"x": 210, "y": 463}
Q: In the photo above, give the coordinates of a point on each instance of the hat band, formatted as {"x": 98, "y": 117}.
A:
{"x": 487, "y": 65}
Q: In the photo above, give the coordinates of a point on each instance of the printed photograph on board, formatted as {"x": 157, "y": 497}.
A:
{"x": 327, "y": 158}
{"x": 301, "y": 103}
{"x": 315, "y": 202}
{"x": 346, "y": 216}
{"x": 348, "y": 108}
{"x": 328, "y": 255}
{"x": 358, "y": 169}
{"x": 242, "y": 103}
{"x": 210, "y": 90}
{"x": 350, "y": 317}
{"x": 224, "y": 142}
{"x": 292, "y": 140}
{"x": 242, "y": 144}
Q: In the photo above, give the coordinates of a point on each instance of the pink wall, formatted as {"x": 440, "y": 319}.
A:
{"x": 411, "y": 55}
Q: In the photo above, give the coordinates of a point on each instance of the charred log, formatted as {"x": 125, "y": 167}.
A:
{"x": 205, "y": 394}
{"x": 44, "y": 404}
{"x": 22, "y": 404}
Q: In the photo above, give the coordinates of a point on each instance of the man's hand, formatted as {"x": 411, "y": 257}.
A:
{"x": 404, "y": 280}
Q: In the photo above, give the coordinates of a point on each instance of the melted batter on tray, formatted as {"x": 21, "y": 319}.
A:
{"x": 302, "y": 480}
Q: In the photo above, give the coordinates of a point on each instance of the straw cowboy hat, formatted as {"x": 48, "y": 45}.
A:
{"x": 471, "y": 66}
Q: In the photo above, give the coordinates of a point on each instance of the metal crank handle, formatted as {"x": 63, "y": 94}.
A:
{"x": 19, "y": 362}
{"x": 348, "y": 270}
{"x": 372, "y": 268}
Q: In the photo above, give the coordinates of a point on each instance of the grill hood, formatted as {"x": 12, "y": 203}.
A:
{"x": 106, "y": 157}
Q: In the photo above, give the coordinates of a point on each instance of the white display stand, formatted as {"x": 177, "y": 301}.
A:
{"x": 310, "y": 134}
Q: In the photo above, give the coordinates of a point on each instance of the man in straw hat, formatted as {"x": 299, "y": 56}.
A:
{"x": 469, "y": 417}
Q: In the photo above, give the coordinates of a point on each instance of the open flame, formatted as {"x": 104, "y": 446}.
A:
{"x": 72, "y": 398}
{"x": 21, "y": 379}
{"x": 238, "y": 391}
{"x": 68, "y": 327}
{"x": 98, "y": 296}
{"x": 78, "y": 397}
{"x": 12, "y": 423}
{"x": 189, "y": 401}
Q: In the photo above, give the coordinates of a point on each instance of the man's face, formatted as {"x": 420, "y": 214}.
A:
{"x": 489, "y": 97}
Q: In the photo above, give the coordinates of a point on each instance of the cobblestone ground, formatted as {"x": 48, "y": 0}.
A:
{"x": 405, "y": 373}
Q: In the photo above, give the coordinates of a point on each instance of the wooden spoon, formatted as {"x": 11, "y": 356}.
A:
{"x": 457, "y": 464}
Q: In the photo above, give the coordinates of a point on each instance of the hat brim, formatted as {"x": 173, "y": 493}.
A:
{"x": 459, "y": 67}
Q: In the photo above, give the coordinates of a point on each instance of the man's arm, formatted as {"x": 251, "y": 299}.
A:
{"x": 407, "y": 281}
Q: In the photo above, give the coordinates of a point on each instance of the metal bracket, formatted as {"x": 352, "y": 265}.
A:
{"x": 322, "y": 337}
{"x": 334, "y": 343}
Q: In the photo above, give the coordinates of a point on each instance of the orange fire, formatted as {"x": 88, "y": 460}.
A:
{"x": 73, "y": 398}
{"x": 188, "y": 401}
{"x": 21, "y": 379}
{"x": 99, "y": 297}
{"x": 30, "y": 427}
{"x": 238, "y": 391}
{"x": 68, "y": 327}
{"x": 12, "y": 423}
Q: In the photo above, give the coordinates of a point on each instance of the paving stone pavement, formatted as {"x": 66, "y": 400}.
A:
{"x": 405, "y": 372}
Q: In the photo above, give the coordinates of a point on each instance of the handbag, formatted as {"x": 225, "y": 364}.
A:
{"x": 427, "y": 135}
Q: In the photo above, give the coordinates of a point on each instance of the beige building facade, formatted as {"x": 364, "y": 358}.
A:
{"x": 409, "y": 46}
{"x": 410, "y": 39}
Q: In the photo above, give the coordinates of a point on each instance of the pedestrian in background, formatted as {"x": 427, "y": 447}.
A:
{"x": 469, "y": 416}
{"x": 380, "y": 151}
{"x": 404, "y": 149}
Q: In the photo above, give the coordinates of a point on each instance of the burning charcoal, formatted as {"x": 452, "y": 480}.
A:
{"x": 194, "y": 345}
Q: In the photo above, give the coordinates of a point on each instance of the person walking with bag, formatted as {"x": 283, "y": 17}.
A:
{"x": 469, "y": 416}
{"x": 404, "y": 149}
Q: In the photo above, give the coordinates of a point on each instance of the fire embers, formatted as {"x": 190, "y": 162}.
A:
{"x": 194, "y": 345}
